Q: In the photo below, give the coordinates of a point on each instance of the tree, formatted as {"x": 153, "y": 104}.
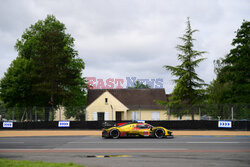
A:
{"x": 235, "y": 72}
{"x": 189, "y": 87}
{"x": 16, "y": 86}
{"x": 139, "y": 85}
{"x": 216, "y": 90}
{"x": 57, "y": 68}
{"x": 3, "y": 110}
{"x": 232, "y": 83}
{"x": 75, "y": 105}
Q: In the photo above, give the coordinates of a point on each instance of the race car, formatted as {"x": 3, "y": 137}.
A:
{"x": 136, "y": 129}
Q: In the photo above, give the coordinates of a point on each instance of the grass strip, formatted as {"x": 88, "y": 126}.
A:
{"x": 24, "y": 163}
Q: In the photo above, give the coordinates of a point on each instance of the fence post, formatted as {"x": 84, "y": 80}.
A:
{"x": 232, "y": 110}
{"x": 199, "y": 113}
{"x": 13, "y": 115}
{"x": 35, "y": 114}
{"x": 168, "y": 113}
{"x": 59, "y": 113}
{"x": 50, "y": 114}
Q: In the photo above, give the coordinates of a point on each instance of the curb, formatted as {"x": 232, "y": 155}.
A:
{"x": 30, "y": 133}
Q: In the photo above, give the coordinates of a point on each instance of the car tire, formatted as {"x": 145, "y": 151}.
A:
{"x": 159, "y": 133}
{"x": 114, "y": 133}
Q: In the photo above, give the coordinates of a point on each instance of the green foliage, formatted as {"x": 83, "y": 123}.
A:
{"x": 56, "y": 66}
{"x": 232, "y": 85}
{"x": 75, "y": 111}
{"x": 47, "y": 71}
{"x": 16, "y": 85}
{"x": 16, "y": 89}
{"x": 189, "y": 87}
{"x": 23, "y": 163}
{"x": 235, "y": 73}
{"x": 139, "y": 85}
{"x": 3, "y": 110}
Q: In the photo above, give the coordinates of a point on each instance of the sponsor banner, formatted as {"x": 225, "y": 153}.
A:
{"x": 62, "y": 124}
{"x": 7, "y": 124}
{"x": 140, "y": 121}
{"x": 225, "y": 124}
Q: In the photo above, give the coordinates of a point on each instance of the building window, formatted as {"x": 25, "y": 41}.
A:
{"x": 155, "y": 116}
{"x": 100, "y": 116}
{"x": 134, "y": 115}
{"x": 106, "y": 116}
{"x": 94, "y": 116}
{"x": 106, "y": 100}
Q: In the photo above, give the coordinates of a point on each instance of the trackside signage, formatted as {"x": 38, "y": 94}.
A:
{"x": 140, "y": 121}
{"x": 63, "y": 124}
{"x": 7, "y": 124}
{"x": 225, "y": 124}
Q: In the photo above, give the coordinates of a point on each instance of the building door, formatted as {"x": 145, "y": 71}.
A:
{"x": 100, "y": 116}
{"x": 118, "y": 116}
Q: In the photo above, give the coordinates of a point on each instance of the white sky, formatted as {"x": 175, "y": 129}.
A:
{"x": 129, "y": 38}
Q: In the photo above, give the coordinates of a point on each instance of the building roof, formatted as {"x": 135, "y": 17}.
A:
{"x": 132, "y": 98}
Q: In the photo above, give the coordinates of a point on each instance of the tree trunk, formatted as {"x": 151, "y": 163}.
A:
{"x": 51, "y": 100}
{"x": 192, "y": 115}
{"x": 51, "y": 106}
{"x": 46, "y": 113}
{"x": 31, "y": 114}
{"x": 27, "y": 115}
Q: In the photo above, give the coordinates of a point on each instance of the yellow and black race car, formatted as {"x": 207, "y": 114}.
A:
{"x": 136, "y": 129}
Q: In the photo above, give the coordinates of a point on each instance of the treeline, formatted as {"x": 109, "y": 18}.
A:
{"x": 232, "y": 83}
{"x": 230, "y": 91}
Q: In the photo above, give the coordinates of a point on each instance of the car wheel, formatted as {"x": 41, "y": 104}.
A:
{"x": 159, "y": 133}
{"x": 115, "y": 133}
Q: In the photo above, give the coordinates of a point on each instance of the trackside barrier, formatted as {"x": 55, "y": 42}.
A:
{"x": 225, "y": 124}
{"x": 7, "y": 124}
{"x": 63, "y": 124}
{"x": 93, "y": 125}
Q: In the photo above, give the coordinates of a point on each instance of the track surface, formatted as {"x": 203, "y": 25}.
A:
{"x": 90, "y": 150}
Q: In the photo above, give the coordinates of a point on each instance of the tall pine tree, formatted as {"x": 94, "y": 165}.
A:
{"x": 189, "y": 87}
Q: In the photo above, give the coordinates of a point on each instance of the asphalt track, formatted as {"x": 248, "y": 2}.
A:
{"x": 94, "y": 151}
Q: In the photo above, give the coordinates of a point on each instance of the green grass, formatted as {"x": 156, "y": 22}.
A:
{"x": 19, "y": 163}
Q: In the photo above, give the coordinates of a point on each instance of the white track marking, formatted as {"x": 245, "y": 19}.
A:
{"x": 203, "y": 142}
{"x": 107, "y": 149}
{"x": 217, "y": 142}
{"x": 120, "y": 149}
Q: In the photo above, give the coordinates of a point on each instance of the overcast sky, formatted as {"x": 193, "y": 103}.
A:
{"x": 129, "y": 38}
